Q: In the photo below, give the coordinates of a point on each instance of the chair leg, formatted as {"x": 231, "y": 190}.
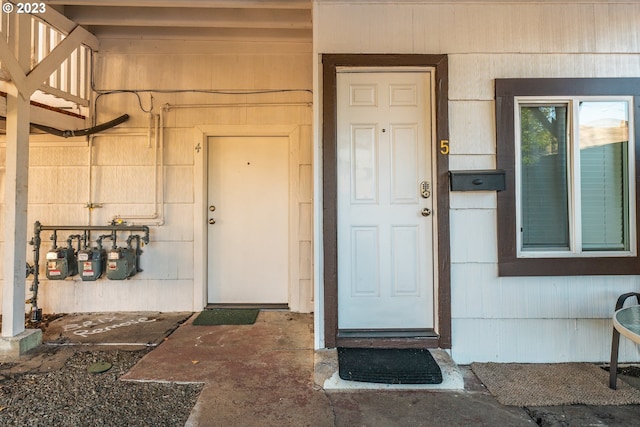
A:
{"x": 613, "y": 366}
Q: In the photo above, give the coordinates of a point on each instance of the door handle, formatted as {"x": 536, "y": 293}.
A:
{"x": 425, "y": 212}
{"x": 212, "y": 221}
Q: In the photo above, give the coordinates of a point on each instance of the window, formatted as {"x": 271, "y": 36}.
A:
{"x": 568, "y": 147}
{"x": 573, "y": 178}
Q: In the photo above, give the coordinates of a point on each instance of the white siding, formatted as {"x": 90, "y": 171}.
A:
{"x": 549, "y": 319}
{"x": 123, "y": 165}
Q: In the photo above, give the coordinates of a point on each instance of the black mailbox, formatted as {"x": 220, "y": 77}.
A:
{"x": 477, "y": 180}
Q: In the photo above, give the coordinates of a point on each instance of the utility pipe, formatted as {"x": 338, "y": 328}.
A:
{"x": 144, "y": 228}
{"x": 158, "y": 201}
{"x": 36, "y": 313}
{"x": 90, "y": 205}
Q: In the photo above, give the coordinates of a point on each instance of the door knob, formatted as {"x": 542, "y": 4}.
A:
{"x": 425, "y": 212}
{"x": 212, "y": 221}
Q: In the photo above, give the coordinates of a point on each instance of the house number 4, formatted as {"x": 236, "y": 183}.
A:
{"x": 444, "y": 146}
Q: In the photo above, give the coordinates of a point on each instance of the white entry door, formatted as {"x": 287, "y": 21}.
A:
{"x": 385, "y": 244}
{"x": 248, "y": 211}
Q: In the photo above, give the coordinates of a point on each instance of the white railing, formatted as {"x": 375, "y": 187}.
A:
{"x": 71, "y": 81}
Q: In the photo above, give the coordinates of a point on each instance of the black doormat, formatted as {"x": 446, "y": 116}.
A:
{"x": 227, "y": 316}
{"x": 388, "y": 365}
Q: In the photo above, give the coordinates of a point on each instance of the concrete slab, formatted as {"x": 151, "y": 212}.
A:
{"x": 134, "y": 329}
{"x": 27, "y": 340}
{"x": 451, "y": 376}
{"x": 263, "y": 374}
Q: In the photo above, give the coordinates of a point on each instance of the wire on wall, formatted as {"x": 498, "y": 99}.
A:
{"x": 138, "y": 92}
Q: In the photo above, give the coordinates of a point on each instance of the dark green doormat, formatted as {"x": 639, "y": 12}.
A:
{"x": 388, "y": 365}
{"x": 227, "y": 316}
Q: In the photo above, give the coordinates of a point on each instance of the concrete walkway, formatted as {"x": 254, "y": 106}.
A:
{"x": 263, "y": 375}
{"x": 267, "y": 374}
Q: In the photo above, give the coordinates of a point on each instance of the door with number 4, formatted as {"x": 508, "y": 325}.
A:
{"x": 248, "y": 231}
{"x": 385, "y": 221}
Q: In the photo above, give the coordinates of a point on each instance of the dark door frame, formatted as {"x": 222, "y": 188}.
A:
{"x": 442, "y": 336}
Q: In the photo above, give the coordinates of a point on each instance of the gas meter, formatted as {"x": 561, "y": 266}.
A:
{"x": 61, "y": 262}
{"x": 122, "y": 263}
{"x": 91, "y": 262}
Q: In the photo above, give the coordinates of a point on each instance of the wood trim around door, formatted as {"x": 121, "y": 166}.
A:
{"x": 329, "y": 171}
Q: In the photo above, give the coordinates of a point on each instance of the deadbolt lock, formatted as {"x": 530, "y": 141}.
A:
{"x": 212, "y": 208}
{"x": 425, "y": 189}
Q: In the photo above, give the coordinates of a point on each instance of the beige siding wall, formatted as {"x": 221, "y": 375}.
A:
{"x": 493, "y": 318}
{"x": 123, "y": 166}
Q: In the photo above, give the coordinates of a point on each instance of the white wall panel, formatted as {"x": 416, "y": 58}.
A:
{"x": 126, "y": 150}
{"x": 177, "y": 146}
{"x": 471, "y": 76}
{"x": 305, "y": 183}
{"x": 119, "y": 295}
{"x": 63, "y": 156}
{"x": 473, "y": 199}
{"x": 306, "y": 145}
{"x": 278, "y": 115}
{"x": 460, "y": 27}
{"x": 306, "y": 260}
{"x": 477, "y": 291}
{"x": 167, "y": 261}
{"x": 178, "y": 184}
{"x": 55, "y": 214}
{"x": 178, "y": 224}
{"x": 58, "y": 185}
{"x": 537, "y": 341}
{"x": 190, "y": 117}
{"x": 474, "y": 127}
{"x": 473, "y": 235}
{"x": 374, "y": 28}
{"x": 123, "y": 184}
{"x": 618, "y": 33}
{"x": 472, "y": 161}
{"x": 306, "y": 222}
{"x": 201, "y": 47}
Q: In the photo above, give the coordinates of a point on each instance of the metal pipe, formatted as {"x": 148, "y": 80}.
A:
{"x": 101, "y": 238}
{"x": 85, "y": 239}
{"x": 158, "y": 202}
{"x": 113, "y": 228}
{"x": 35, "y": 241}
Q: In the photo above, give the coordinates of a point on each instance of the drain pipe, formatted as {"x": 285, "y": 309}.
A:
{"x": 82, "y": 132}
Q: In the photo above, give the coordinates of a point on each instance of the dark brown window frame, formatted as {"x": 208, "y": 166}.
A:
{"x": 506, "y": 91}
{"x": 330, "y": 62}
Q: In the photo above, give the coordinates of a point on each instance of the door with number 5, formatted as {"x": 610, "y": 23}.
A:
{"x": 384, "y": 200}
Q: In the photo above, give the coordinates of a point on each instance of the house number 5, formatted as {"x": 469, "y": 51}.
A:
{"x": 444, "y": 146}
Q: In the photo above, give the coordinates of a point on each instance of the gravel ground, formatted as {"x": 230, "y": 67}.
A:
{"x": 72, "y": 396}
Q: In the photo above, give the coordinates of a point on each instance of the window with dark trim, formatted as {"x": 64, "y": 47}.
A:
{"x": 570, "y": 149}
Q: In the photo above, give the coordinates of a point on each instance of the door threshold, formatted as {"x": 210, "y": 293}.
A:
{"x": 239, "y": 306}
{"x": 386, "y": 333}
{"x": 406, "y": 338}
